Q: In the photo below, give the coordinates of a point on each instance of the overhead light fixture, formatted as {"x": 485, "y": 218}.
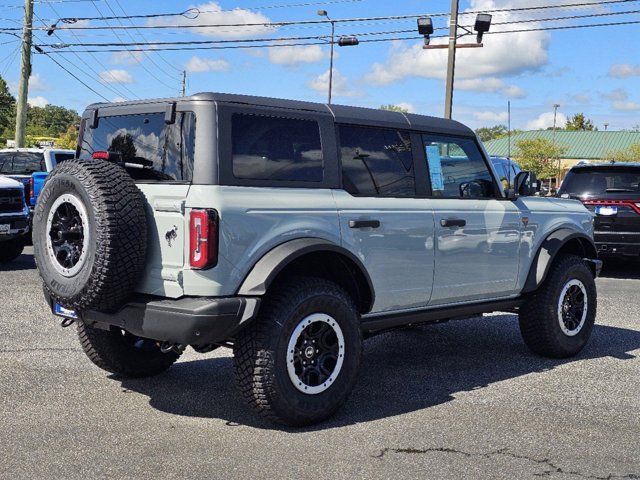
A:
{"x": 425, "y": 28}
{"x": 482, "y": 26}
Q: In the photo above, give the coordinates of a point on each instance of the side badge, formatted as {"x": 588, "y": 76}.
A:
{"x": 171, "y": 235}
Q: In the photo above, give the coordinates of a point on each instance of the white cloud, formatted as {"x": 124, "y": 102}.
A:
{"x": 624, "y": 70}
{"x": 38, "y": 101}
{"x": 620, "y": 100}
{"x": 127, "y": 58}
{"x": 290, "y": 55}
{"x": 212, "y": 14}
{"x": 618, "y": 94}
{"x": 497, "y": 117}
{"x": 340, "y": 85}
{"x": 407, "y": 106}
{"x": 502, "y": 56}
{"x": 116, "y": 76}
{"x": 199, "y": 65}
{"x": 545, "y": 120}
{"x": 626, "y": 105}
{"x": 118, "y": 99}
{"x": 36, "y": 83}
{"x": 490, "y": 85}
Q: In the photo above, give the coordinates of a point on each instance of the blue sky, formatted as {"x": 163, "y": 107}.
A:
{"x": 595, "y": 71}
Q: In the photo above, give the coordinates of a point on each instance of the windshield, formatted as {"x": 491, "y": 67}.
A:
{"x": 599, "y": 181}
{"x": 21, "y": 163}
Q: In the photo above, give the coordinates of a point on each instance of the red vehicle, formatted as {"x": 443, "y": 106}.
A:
{"x": 612, "y": 192}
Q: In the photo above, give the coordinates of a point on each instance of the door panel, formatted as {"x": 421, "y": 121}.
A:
{"x": 479, "y": 260}
{"x": 398, "y": 254}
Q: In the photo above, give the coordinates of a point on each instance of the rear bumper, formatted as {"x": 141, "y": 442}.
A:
{"x": 617, "y": 249}
{"x": 19, "y": 225}
{"x": 186, "y": 321}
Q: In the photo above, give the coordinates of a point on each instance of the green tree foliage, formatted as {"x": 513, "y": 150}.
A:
{"x": 69, "y": 139}
{"x": 579, "y": 122}
{"x": 539, "y": 155}
{"x": 7, "y": 107}
{"x": 489, "y": 133}
{"x": 50, "y": 120}
{"x": 394, "y": 108}
{"x": 631, "y": 154}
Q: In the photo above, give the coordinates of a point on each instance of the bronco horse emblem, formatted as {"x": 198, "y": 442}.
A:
{"x": 171, "y": 235}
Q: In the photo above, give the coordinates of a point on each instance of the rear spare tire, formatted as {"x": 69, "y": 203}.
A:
{"x": 89, "y": 235}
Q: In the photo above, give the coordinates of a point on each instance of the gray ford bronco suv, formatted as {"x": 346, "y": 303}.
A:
{"x": 289, "y": 231}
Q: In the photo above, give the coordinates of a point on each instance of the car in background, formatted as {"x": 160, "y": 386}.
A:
{"x": 14, "y": 219}
{"x": 506, "y": 169}
{"x": 612, "y": 192}
{"x": 31, "y": 166}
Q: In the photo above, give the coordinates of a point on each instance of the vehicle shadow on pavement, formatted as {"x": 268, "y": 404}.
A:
{"x": 401, "y": 372}
{"x": 25, "y": 261}
{"x": 622, "y": 269}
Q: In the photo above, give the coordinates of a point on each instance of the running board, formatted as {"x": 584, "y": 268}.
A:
{"x": 434, "y": 315}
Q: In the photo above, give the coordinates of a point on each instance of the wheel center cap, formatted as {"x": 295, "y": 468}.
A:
{"x": 309, "y": 351}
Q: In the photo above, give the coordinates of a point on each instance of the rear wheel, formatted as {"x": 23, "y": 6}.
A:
{"x": 11, "y": 249}
{"x": 556, "y": 321}
{"x": 119, "y": 352}
{"x": 299, "y": 361}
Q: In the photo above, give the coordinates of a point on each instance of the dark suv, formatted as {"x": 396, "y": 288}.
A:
{"x": 612, "y": 191}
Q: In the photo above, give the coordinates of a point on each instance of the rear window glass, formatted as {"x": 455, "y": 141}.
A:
{"x": 594, "y": 181}
{"x": 377, "y": 162}
{"x": 61, "y": 157}
{"x": 275, "y": 148}
{"x": 21, "y": 163}
{"x": 148, "y": 147}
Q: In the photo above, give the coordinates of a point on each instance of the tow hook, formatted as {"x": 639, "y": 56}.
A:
{"x": 67, "y": 322}
{"x": 166, "y": 347}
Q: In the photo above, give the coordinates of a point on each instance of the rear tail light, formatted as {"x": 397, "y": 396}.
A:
{"x": 29, "y": 191}
{"x": 203, "y": 239}
{"x": 100, "y": 155}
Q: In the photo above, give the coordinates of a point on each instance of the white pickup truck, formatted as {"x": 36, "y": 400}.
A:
{"x": 14, "y": 219}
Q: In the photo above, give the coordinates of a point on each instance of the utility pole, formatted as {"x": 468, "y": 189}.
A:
{"x": 451, "y": 62}
{"x": 25, "y": 73}
{"x": 184, "y": 83}
{"x": 509, "y": 131}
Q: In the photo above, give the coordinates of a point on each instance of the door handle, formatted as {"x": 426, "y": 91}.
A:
{"x": 364, "y": 223}
{"x": 453, "y": 222}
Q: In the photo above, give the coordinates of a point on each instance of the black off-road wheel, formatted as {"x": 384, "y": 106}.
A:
{"x": 298, "y": 362}
{"x": 119, "y": 352}
{"x": 557, "y": 320}
{"x": 11, "y": 249}
{"x": 89, "y": 235}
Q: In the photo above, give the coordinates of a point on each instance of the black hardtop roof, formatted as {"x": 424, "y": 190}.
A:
{"x": 601, "y": 165}
{"x": 341, "y": 113}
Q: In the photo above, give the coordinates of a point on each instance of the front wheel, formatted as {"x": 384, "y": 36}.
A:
{"x": 11, "y": 249}
{"x": 299, "y": 361}
{"x": 556, "y": 321}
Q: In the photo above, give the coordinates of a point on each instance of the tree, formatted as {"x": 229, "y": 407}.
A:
{"x": 50, "y": 120}
{"x": 631, "y": 154}
{"x": 579, "y": 123}
{"x": 7, "y": 106}
{"x": 69, "y": 139}
{"x": 394, "y": 108}
{"x": 489, "y": 133}
{"x": 539, "y": 155}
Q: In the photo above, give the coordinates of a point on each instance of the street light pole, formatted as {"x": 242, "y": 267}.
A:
{"x": 451, "y": 62}
{"x": 324, "y": 13}
{"x": 555, "y": 115}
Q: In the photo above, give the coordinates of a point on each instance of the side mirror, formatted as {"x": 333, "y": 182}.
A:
{"x": 525, "y": 185}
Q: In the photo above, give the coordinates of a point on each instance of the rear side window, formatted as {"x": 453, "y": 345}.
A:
{"x": 376, "y": 162}
{"x": 21, "y": 163}
{"x": 457, "y": 168}
{"x": 601, "y": 180}
{"x": 61, "y": 157}
{"x": 275, "y": 148}
{"x": 148, "y": 147}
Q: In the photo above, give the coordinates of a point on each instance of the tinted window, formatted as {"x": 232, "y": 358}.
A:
{"x": 21, "y": 163}
{"x": 274, "y": 148}
{"x": 457, "y": 168}
{"x": 377, "y": 162}
{"x": 598, "y": 181}
{"x": 149, "y": 148}
{"x": 61, "y": 157}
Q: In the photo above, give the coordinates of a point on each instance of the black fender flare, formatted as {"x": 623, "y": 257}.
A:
{"x": 275, "y": 260}
{"x": 548, "y": 250}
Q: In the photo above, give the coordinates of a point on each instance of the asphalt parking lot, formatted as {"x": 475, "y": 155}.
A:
{"x": 458, "y": 400}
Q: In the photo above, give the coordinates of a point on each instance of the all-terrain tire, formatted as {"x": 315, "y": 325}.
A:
{"x": 541, "y": 324}
{"x": 116, "y": 226}
{"x": 260, "y": 352}
{"x": 124, "y": 354}
{"x": 11, "y": 249}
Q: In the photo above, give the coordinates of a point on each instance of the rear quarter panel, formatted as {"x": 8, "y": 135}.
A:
{"x": 544, "y": 216}
{"x": 254, "y": 220}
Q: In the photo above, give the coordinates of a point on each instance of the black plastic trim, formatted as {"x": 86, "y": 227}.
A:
{"x": 433, "y": 315}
